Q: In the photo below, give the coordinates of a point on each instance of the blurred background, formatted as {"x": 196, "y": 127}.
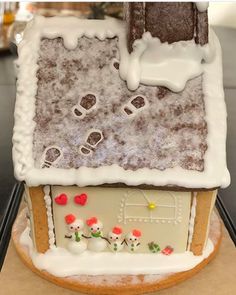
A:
{"x": 15, "y": 15}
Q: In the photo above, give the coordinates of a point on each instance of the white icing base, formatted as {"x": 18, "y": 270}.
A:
{"x": 215, "y": 172}
{"x": 62, "y": 263}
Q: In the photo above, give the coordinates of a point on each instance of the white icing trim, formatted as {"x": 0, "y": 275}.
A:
{"x": 192, "y": 221}
{"x": 132, "y": 108}
{"x": 123, "y": 217}
{"x": 61, "y": 263}
{"x": 83, "y": 154}
{"x": 215, "y": 173}
{"x": 84, "y": 111}
{"x": 88, "y": 134}
{"x": 48, "y": 203}
{"x": 202, "y": 6}
{"x": 49, "y": 163}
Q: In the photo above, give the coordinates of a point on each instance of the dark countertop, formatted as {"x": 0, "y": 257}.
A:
{"x": 226, "y": 199}
{"x": 7, "y": 100}
{"x": 10, "y": 190}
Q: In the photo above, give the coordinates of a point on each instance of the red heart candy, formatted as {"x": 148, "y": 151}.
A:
{"x": 81, "y": 199}
{"x": 61, "y": 199}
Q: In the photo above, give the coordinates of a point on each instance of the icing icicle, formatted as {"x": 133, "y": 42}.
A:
{"x": 202, "y": 6}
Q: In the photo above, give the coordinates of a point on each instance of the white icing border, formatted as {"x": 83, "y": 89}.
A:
{"x": 215, "y": 173}
{"x": 61, "y": 263}
{"x": 48, "y": 203}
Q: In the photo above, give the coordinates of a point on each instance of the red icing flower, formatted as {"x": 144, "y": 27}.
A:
{"x": 137, "y": 233}
{"x": 91, "y": 221}
{"x": 167, "y": 251}
{"x": 117, "y": 230}
{"x": 70, "y": 218}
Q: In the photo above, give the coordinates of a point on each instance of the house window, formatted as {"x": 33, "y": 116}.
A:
{"x": 163, "y": 207}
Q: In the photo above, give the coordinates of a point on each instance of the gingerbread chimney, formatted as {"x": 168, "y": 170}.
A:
{"x": 169, "y": 21}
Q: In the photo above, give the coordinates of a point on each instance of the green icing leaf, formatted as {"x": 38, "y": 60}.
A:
{"x": 154, "y": 247}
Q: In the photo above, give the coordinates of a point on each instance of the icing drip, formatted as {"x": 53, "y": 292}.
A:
{"x": 48, "y": 203}
{"x": 202, "y": 6}
{"x": 155, "y": 63}
{"x": 62, "y": 263}
{"x": 191, "y": 221}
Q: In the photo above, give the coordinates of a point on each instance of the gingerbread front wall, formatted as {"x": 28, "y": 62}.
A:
{"x": 162, "y": 217}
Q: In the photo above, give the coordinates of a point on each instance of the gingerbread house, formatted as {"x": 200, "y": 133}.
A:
{"x": 120, "y": 130}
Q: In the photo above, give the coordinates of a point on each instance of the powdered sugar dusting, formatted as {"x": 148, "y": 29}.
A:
{"x": 171, "y": 131}
{"x": 215, "y": 172}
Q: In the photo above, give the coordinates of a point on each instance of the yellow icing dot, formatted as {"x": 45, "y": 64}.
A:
{"x": 151, "y": 206}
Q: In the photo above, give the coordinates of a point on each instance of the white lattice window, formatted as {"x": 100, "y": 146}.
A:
{"x": 162, "y": 207}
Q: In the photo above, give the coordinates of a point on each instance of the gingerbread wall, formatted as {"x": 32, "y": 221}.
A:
{"x": 166, "y": 224}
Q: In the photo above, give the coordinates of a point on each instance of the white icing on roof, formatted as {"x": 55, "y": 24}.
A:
{"x": 202, "y": 6}
{"x": 215, "y": 173}
{"x": 155, "y": 63}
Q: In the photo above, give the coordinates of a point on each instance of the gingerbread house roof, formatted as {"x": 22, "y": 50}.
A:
{"x": 90, "y": 113}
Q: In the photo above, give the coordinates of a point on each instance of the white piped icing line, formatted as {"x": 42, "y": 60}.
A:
{"x": 192, "y": 221}
{"x": 202, "y": 6}
{"x": 215, "y": 172}
{"x": 49, "y": 162}
{"x": 144, "y": 202}
{"x": 48, "y": 203}
{"x": 61, "y": 263}
{"x": 131, "y": 107}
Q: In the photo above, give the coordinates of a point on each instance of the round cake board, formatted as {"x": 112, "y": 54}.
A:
{"x": 116, "y": 284}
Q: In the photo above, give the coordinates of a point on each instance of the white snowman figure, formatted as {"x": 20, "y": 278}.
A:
{"x": 133, "y": 240}
{"x": 76, "y": 244}
{"x": 115, "y": 239}
{"x": 96, "y": 242}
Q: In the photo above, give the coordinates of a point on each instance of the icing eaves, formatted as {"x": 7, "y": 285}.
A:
{"x": 215, "y": 173}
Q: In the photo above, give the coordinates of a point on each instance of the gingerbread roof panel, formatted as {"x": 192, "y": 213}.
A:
{"x": 77, "y": 121}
